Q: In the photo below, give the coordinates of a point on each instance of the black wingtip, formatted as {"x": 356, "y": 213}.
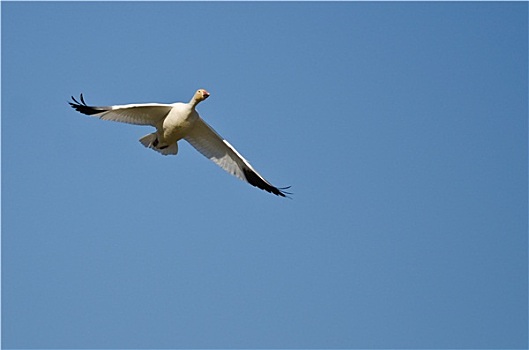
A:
{"x": 285, "y": 193}
{"x": 73, "y": 98}
{"x": 82, "y": 107}
{"x": 255, "y": 180}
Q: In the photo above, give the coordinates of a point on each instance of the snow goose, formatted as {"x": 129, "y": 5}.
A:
{"x": 177, "y": 121}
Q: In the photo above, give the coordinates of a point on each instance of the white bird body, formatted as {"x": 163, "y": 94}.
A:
{"x": 177, "y": 121}
{"x": 176, "y": 125}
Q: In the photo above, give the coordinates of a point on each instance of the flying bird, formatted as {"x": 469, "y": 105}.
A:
{"x": 177, "y": 121}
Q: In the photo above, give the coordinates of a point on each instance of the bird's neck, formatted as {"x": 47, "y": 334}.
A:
{"x": 194, "y": 102}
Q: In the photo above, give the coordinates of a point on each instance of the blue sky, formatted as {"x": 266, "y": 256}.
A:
{"x": 401, "y": 127}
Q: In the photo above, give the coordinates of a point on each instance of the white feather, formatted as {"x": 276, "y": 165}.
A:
{"x": 139, "y": 114}
{"x": 206, "y": 140}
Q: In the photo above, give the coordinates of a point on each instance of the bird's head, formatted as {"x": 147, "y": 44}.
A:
{"x": 201, "y": 95}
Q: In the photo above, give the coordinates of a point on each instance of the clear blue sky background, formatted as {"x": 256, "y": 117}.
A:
{"x": 402, "y": 128}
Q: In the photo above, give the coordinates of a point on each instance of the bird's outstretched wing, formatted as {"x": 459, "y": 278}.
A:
{"x": 139, "y": 114}
{"x": 213, "y": 146}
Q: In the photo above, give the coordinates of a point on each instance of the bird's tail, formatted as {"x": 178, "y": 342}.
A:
{"x": 151, "y": 141}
